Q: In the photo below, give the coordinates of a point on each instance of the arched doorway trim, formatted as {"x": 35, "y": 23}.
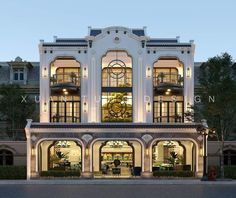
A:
{"x": 174, "y": 139}
{"x": 55, "y": 139}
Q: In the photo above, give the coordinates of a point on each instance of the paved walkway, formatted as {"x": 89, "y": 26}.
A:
{"x": 118, "y": 182}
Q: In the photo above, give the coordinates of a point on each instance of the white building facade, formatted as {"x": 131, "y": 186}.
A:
{"x": 115, "y": 94}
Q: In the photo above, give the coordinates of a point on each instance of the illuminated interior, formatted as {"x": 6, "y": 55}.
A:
{"x": 174, "y": 155}
{"x": 60, "y": 155}
{"x": 120, "y": 150}
{"x": 116, "y": 87}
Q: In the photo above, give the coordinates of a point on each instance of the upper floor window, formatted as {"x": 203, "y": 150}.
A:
{"x": 116, "y": 87}
{"x": 116, "y": 69}
{"x": 65, "y": 71}
{"x": 168, "y": 100}
{"x": 168, "y": 71}
{"x": 65, "y": 90}
{"x": 18, "y": 74}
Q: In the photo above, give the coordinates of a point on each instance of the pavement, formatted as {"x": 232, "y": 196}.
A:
{"x": 117, "y": 182}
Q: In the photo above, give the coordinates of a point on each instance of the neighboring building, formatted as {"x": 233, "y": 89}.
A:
{"x": 26, "y": 75}
{"x": 115, "y": 94}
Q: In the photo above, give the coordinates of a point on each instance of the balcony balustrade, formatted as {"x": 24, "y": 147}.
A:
{"x": 65, "y": 78}
{"x": 167, "y": 78}
{"x": 66, "y": 83}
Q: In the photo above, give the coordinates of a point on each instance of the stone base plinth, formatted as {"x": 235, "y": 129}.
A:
{"x": 87, "y": 175}
{"x": 146, "y": 174}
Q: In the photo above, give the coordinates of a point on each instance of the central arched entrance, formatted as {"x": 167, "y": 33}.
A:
{"x": 112, "y": 152}
{"x": 117, "y": 158}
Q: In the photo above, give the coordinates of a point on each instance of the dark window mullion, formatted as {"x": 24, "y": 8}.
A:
{"x": 57, "y": 111}
{"x": 160, "y": 111}
{"x": 168, "y": 111}
{"x": 176, "y": 111}
{"x": 72, "y": 111}
{"x": 64, "y": 111}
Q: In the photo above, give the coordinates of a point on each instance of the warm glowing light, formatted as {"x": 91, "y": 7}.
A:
{"x": 201, "y": 151}
{"x": 85, "y": 107}
{"x": 169, "y": 90}
{"x": 45, "y": 72}
{"x": 147, "y": 151}
{"x": 167, "y": 93}
{"x": 148, "y": 107}
{"x": 45, "y": 107}
{"x": 85, "y": 72}
{"x": 32, "y": 151}
{"x": 86, "y": 151}
{"x": 148, "y": 72}
{"x": 64, "y": 90}
{"x": 188, "y": 106}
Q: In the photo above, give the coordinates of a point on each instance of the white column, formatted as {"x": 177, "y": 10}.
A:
{"x": 92, "y": 117}
{"x": 44, "y": 86}
{"x": 188, "y": 81}
{"x": 138, "y": 90}
{"x": 28, "y": 147}
{"x": 148, "y": 93}
{"x": 84, "y": 93}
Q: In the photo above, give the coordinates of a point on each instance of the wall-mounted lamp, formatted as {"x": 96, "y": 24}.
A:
{"x": 45, "y": 107}
{"x": 33, "y": 151}
{"x": 148, "y": 72}
{"x": 148, "y": 107}
{"x": 45, "y": 72}
{"x": 86, "y": 151}
{"x": 188, "y": 72}
{"x": 147, "y": 151}
{"x": 188, "y": 106}
{"x": 85, "y": 107}
{"x": 201, "y": 151}
{"x": 85, "y": 72}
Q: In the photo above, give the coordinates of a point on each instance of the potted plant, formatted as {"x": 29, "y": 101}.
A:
{"x": 162, "y": 76}
{"x": 116, "y": 170}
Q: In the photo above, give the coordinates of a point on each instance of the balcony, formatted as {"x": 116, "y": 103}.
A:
{"x": 168, "y": 81}
{"x": 66, "y": 81}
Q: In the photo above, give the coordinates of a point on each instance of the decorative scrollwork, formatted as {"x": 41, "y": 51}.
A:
{"x": 117, "y": 107}
{"x": 117, "y": 69}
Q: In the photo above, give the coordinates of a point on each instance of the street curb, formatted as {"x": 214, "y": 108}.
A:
{"x": 115, "y": 182}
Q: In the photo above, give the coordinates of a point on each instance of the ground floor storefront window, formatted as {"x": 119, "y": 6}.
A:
{"x": 60, "y": 155}
{"x": 174, "y": 155}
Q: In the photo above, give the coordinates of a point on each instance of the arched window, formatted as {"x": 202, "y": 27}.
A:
{"x": 6, "y": 157}
{"x": 116, "y": 87}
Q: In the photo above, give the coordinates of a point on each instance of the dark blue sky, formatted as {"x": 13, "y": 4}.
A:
{"x": 210, "y": 23}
